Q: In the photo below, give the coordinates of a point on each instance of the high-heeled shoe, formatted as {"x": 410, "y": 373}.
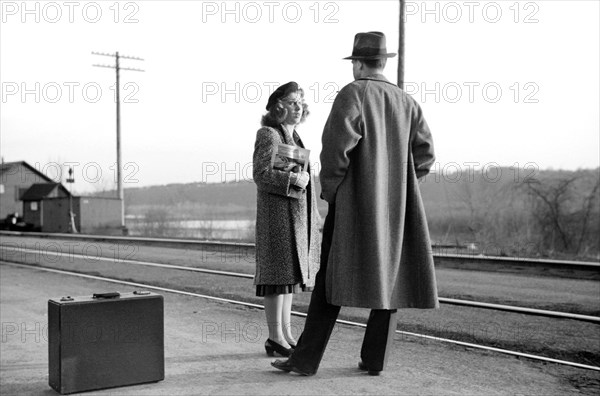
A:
{"x": 271, "y": 347}
{"x": 292, "y": 344}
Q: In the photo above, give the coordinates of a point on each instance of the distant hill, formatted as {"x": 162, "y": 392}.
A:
{"x": 215, "y": 200}
{"x": 441, "y": 192}
{"x": 242, "y": 194}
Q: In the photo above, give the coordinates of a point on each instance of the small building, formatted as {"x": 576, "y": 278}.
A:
{"x": 46, "y": 204}
{"x": 97, "y": 215}
{"x": 41, "y": 212}
{"x": 15, "y": 179}
{"x": 48, "y": 207}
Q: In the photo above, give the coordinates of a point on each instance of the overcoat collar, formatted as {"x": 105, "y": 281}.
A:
{"x": 376, "y": 77}
{"x": 286, "y": 138}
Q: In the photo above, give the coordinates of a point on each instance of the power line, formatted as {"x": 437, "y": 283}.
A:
{"x": 118, "y": 68}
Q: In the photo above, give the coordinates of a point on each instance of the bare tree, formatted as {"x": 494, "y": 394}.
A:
{"x": 551, "y": 211}
{"x": 588, "y": 207}
{"x": 564, "y": 208}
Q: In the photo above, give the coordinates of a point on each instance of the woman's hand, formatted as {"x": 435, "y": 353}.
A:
{"x": 300, "y": 179}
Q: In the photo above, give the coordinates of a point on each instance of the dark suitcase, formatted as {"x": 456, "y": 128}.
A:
{"x": 105, "y": 340}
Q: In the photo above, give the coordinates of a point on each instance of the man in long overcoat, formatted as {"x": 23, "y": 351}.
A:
{"x": 376, "y": 250}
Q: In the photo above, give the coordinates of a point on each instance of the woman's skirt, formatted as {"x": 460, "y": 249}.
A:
{"x": 267, "y": 290}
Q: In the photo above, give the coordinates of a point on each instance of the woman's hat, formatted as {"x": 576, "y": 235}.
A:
{"x": 281, "y": 92}
{"x": 370, "y": 45}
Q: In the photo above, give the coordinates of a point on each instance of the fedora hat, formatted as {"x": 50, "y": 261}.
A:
{"x": 370, "y": 45}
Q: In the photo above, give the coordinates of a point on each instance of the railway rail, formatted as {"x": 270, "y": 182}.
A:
{"x": 27, "y": 244}
{"x": 443, "y": 300}
{"x": 301, "y": 314}
{"x": 568, "y": 268}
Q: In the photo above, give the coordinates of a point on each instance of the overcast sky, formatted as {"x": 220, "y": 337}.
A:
{"x": 508, "y": 83}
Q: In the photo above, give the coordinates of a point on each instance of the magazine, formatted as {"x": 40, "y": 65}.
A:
{"x": 289, "y": 158}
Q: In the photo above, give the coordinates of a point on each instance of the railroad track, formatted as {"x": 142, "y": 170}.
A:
{"x": 563, "y": 268}
{"x": 301, "y": 314}
{"x": 442, "y": 300}
{"x": 569, "y": 320}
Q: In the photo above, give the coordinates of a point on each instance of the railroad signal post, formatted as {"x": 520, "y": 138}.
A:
{"x": 70, "y": 181}
{"x": 118, "y": 68}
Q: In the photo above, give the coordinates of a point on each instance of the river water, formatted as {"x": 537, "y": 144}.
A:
{"x": 242, "y": 230}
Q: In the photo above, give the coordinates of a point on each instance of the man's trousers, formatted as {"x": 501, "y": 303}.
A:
{"x": 321, "y": 318}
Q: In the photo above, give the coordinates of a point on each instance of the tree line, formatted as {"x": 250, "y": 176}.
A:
{"x": 548, "y": 213}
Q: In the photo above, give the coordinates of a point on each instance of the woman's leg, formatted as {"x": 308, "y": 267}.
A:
{"x": 273, "y": 311}
{"x": 286, "y": 319}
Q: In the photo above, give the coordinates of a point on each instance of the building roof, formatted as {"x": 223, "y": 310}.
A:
{"x": 8, "y": 166}
{"x": 39, "y": 191}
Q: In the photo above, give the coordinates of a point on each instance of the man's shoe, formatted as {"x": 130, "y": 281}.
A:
{"x": 285, "y": 365}
{"x": 364, "y": 367}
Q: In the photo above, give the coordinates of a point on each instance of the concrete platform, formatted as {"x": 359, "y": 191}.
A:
{"x": 217, "y": 348}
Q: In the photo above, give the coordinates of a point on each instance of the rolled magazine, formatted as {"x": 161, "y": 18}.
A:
{"x": 289, "y": 158}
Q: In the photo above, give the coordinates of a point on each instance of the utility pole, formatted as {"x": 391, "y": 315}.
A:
{"x": 401, "y": 44}
{"x": 118, "y": 68}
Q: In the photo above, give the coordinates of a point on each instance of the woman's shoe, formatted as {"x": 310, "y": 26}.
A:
{"x": 271, "y": 347}
{"x": 292, "y": 344}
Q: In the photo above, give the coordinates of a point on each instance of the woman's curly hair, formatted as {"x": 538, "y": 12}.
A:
{"x": 278, "y": 113}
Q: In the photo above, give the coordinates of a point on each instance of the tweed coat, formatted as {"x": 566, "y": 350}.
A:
{"x": 287, "y": 219}
{"x": 376, "y": 144}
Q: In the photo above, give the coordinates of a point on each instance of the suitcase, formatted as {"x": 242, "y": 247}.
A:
{"x": 105, "y": 340}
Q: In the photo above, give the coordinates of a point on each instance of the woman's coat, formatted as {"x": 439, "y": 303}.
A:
{"x": 380, "y": 255}
{"x": 285, "y": 237}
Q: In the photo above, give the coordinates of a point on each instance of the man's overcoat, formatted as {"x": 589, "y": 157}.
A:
{"x": 288, "y": 242}
{"x": 376, "y": 144}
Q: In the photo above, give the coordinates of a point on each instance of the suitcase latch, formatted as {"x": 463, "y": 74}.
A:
{"x": 141, "y": 292}
{"x": 67, "y": 298}
{"x": 107, "y": 295}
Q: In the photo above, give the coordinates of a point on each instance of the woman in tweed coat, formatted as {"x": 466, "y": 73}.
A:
{"x": 287, "y": 221}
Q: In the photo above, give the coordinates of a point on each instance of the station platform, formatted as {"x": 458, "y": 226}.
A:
{"x": 217, "y": 348}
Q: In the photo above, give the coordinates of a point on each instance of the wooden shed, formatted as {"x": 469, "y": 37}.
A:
{"x": 16, "y": 178}
{"x": 41, "y": 212}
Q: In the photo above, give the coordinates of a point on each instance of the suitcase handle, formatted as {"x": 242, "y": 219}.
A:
{"x": 107, "y": 295}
